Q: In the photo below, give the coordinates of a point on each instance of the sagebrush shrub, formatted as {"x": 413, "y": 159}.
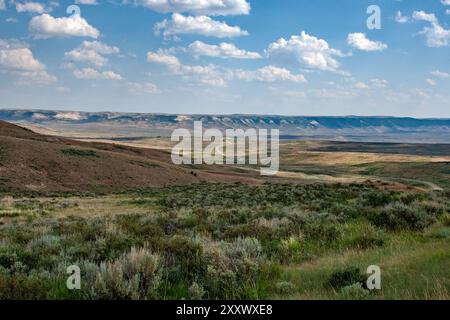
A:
{"x": 183, "y": 259}
{"x": 290, "y": 250}
{"x": 285, "y": 288}
{"x": 323, "y": 232}
{"x": 22, "y": 287}
{"x": 135, "y": 275}
{"x": 196, "y": 291}
{"x": 233, "y": 267}
{"x": 377, "y": 198}
{"x": 355, "y": 292}
{"x": 398, "y": 216}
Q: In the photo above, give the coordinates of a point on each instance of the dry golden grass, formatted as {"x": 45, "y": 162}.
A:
{"x": 98, "y": 207}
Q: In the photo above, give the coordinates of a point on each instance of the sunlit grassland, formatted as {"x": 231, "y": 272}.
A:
{"x": 234, "y": 241}
{"x": 413, "y": 267}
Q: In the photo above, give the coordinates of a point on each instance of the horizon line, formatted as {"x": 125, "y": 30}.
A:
{"x": 228, "y": 114}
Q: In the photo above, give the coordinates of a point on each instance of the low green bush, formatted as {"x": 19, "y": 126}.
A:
{"x": 22, "y": 287}
{"x": 183, "y": 259}
{"x": 347, "y": 277}
{"x": 322, "y": 232}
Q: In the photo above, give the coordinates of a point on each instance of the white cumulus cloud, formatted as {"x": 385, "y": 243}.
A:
{"x": 374, "y": 84}
{"x": 162, "y": 57}
{"x": 379, "y": 83}
{"x": 208, "y": 75}
{"x": 201, "y": 25}
{"x": 422, "y": 15}
{"x": 307, "y": 50}
{"x": 45, "y": 26}
{"x": 400, "y": 18}
{"x": 142, "y": 88}
{"x": 269, "y": 74}
{"x": 18, "y": 60}
{"x": 86, "y": 2}
{"x": 436, "y": 36}
{"x": 440, "y": 74}
{"x": 198, "y": 7}
{"x": 92, "y": 52}
{"x": 431, "y": 82}
{"x": 223, "y": 50}
{"x": 92, "y": 74}
{"x": 361, "y": 85}
{"x": 32, "y": 7}
{"x": 359, "y": 41}
{"x": 17, "y": 57}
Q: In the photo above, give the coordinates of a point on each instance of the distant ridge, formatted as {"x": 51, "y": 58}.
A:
{"x": 340, "y": 128}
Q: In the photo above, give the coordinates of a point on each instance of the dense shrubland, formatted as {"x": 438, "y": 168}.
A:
{"x": 207, "y": 241}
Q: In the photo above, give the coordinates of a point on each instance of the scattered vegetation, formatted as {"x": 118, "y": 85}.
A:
{"x": 217, "y": 241}
{"x": 2, "y": 156}
{"x": 79, "y": 153}
{"x": 144, "y": 164}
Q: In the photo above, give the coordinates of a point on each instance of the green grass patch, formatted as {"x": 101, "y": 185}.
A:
{"x": 79, "y": 153}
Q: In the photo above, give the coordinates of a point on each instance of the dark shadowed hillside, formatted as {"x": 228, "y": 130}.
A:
{"x": 30, "y": 161}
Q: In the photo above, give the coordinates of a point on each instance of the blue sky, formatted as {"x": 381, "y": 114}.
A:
{"x": 227, "y": 56}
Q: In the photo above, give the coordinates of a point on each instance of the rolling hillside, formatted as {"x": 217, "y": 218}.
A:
{"x": 34, "y": 162}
